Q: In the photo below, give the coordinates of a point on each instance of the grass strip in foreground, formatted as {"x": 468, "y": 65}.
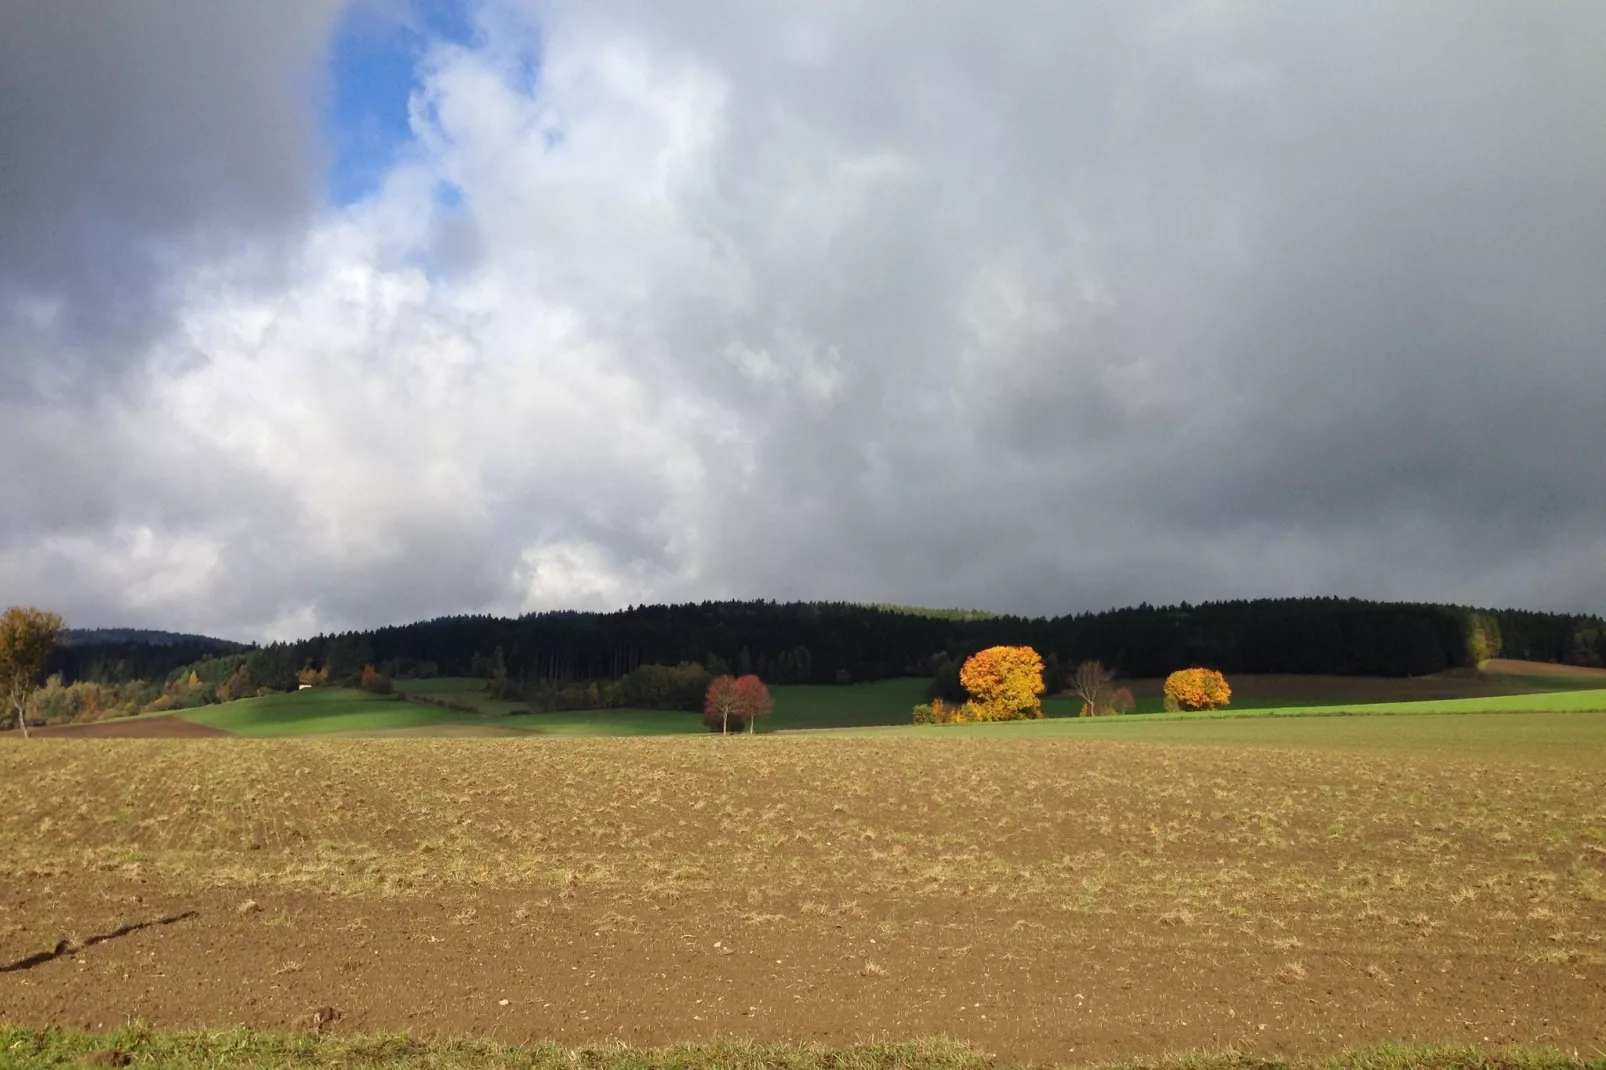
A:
{"x": 26, "y": 1049}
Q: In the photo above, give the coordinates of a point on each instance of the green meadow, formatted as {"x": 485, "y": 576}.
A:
{"x": 1573, "y": 738}
{"x": 1553, "y": 722}
{"x": 317, "y": 711}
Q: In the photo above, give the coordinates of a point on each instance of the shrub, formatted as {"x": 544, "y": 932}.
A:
{"x": 663, "y": 687}
{"x": 1122, "y": 701}
{"x": 935, "y": 712}
{"x": 89, "y": 700}
{"x": 1197, "y": 689}
{"x": 1005, "y": 684}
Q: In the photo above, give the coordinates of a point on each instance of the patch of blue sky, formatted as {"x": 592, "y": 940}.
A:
{"x": 449, "y": 195}
{"x": 374, "y": 67}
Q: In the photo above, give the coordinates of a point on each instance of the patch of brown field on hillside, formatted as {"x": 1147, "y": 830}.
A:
{"x": 128, "y": 728}
{"x": 435, "y": 731}
{"x": 1041, "y": 899}
{"x": 1540, "y": 668}
{"x": 1294, "y": 690}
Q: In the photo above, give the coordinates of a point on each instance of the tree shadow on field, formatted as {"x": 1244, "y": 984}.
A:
{"x": 68, "y": 947}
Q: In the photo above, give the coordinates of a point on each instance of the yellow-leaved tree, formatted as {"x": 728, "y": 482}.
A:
{"x": 27, "y": 636}
{"x": 1196, "y": 689}
{"x": 1005, "y": 684}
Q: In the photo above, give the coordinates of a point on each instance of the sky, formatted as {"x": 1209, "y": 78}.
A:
{"x": 352, "y": 312}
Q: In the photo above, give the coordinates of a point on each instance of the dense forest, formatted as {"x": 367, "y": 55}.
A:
{"x": 815, "y": 642}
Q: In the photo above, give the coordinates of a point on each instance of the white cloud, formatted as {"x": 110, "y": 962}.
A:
{"x": 1090, "y": 305}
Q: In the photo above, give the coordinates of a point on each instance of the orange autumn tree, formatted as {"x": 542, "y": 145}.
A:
{"x": 1004, "y": 683}
{"x": 1197, "y": 689}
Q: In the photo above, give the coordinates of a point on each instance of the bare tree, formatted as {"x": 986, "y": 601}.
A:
{"x": 27, "y": 636}
{"x": 1092, "y": 683}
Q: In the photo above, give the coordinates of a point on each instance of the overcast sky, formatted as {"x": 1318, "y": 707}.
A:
{"x": 326, "y": 314}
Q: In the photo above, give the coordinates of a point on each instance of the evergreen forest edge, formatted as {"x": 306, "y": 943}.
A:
{"x": 660, "y": 655}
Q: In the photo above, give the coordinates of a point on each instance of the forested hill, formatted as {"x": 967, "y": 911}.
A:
{"x": 836, "y": 642}
{"x": 115, "y": 655}
{"x": 814, "y": 642}
{"x": 148, "y": 636}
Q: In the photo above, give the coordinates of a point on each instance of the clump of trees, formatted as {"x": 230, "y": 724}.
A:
{"x": 662, "y": 687}
{"x": 1005, "y": 683}
{"x": 374, "y": 681}
{"x": 88, "y": 700}
{"x": 735, "y": 703}
{"x": 27, "y": 637}
{"x": 646, "y": 687}
{"x": 1196, "y": 689}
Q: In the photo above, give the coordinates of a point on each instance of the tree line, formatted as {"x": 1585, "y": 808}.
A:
{"x": 545, "y": 655}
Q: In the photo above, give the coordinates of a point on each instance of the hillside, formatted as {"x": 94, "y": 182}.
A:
{"x": 74, "y": 637}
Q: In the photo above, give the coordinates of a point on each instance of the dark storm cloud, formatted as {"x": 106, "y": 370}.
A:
{"x": 138, "y": 138}
{"x": 1307, "y": 301}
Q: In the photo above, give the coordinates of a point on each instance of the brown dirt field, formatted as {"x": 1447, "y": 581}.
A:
{"x": 436, "y": 731}
{"x": 1538, "y": 668}
{"x": 128, "y": 728}
{"x": 1045, "y": 900}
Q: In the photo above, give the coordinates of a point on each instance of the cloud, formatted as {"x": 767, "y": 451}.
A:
{"x": 137, "y": 139}
{"x": 1090, "y": 305}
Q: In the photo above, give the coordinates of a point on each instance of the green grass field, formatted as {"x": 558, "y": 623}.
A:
{"x": 1577, "y": 699}
{"x": 1572, "y": 738}
{"x": 441, "y": 685}
{"x": 881, "y": 703}
{"x": 883, "y": 706}
{"x": 318, "y": 711}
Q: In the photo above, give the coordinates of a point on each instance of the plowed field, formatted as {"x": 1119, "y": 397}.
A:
{"x": 1040, "y": 898}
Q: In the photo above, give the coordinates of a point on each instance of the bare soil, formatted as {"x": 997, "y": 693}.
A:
{"x": 128, "y": 728}
{"x": 1044, "y": 900}
{"x": 1539, "y": 668}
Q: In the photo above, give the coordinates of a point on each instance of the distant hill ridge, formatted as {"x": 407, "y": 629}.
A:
{"x": 149, "y": 636}
{"x": 117, "y": 655}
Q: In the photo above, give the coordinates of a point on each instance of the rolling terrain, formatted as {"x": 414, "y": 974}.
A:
{"x": 459, "y": 706}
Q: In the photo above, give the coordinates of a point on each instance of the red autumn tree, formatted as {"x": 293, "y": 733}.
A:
{"x": 734, "y": 703}
{"x": 720, "y": 705}
{"x": 753, "y": 700}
